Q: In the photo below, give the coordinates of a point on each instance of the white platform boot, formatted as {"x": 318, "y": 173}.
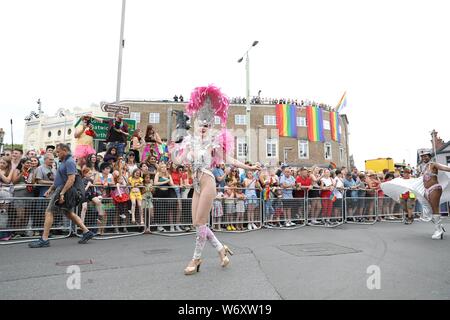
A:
{"x": 438, "y": 229}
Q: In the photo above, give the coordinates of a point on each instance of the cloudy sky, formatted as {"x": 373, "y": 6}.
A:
{"x": 392, "y": 58}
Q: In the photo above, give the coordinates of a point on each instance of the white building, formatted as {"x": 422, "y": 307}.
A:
{"x": 53, "y": 129}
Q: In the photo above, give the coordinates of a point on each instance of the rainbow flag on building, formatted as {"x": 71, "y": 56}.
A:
{"x": 334, "y": 126}
{"x": 342, "y": 103}
{"x": 286, "y": 120}
{"x": 314, "y": 118}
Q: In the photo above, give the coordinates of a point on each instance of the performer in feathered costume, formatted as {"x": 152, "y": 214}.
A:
{"x": 204, "y": 149}
{"x": 431, "y": 189}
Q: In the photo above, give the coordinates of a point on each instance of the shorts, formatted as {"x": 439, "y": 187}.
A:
{"x": 408, "y": 204}
{"x": 83, "y": 151}
{"x": 314, "y": 194}
{"x": 268, "y": 208}
{"x": 278, "y": 212}
{"x": 252, "y": 201}
{"x": 147, "y": 203}
{"x": 56, "y": 209}
{"x": 135, "y": 196}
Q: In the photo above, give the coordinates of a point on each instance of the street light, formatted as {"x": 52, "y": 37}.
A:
{"x": 121, "y": 46}
{"x": 247, "y": 102}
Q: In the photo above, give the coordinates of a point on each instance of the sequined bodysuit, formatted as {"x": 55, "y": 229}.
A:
{"x": 427, "y": 175}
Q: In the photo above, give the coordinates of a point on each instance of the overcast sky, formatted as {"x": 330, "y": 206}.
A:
{"x": 392, "y": 58}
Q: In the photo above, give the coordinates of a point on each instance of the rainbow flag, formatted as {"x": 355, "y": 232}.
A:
{"x": 286, "y": 120}
{"x": 314, "y": 118}
{"x": 333, "y": 197}
{"x": 342, "y": 103}
{"x": 334, "y": 126}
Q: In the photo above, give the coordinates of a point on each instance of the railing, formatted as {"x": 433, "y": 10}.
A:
{"x": 169, "y": 212}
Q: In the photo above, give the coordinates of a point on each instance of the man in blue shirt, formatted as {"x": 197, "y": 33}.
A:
{"x": 64, "y": 181}
{"x": 287, "y": 182}
{"x": 219, "y": 173}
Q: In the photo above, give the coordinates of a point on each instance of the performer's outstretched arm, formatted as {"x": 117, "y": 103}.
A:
{"x": 241, "y": 165}
{"x": 442, "y": 167}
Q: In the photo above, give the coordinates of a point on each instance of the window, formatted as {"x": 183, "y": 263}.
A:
{"x": 327, "y": 150}
{"x": 135, "y": 116}
{"x": 448, "y": 160}
{"x": 59, "y": 133}
{"x": 301, "y": 122}
{"x": 241, "y": 147}
{"x": 341, "y": 153}
{"x": 49, "y": 134}
{"x": 271, "y": 148}
{"x": 69, "y": 132}
{"x": 303, "y": 149}
{"x": 270, "y": 120}
{"x": 239, "y": 119}
{"x": 153, "y": 118}
{"x": 326, "y": 125}
{"x": 216, "y": 120}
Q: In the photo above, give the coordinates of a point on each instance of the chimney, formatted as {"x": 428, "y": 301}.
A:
{"x": 436, "y": 141}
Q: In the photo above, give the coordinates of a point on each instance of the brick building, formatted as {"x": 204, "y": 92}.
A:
{"x": 265, "y": 144}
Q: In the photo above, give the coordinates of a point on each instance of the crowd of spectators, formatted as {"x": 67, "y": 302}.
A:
{"x": 133, "y": 178}
{"x": 273, "y": 101}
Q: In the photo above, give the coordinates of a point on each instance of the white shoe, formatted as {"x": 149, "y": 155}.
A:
{"x": 172, "y": 229}
{"x": 161, "y": 229}
{"x": 123, "y": 216}
{"x": 178, "y": 229}
{"x": 249, "y": 226}
{"x": 287, "y": 224}
{"x": 438, "y": 233}
{"x": 254, "y": 226}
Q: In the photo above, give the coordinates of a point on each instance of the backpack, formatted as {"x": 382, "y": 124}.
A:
{"x": 75, "y": 195}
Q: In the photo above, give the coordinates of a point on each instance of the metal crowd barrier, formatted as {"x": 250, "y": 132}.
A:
{"x": 389, "y": 210}
{"x": 361, "y": 210}
{"x": 284, "y": 213}
{"x": 237, "y": 214}
{"x": 22, "y": 218}
{"x": 325, "y": 212}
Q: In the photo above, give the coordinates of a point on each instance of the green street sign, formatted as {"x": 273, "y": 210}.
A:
{"x": 102, "y": 128}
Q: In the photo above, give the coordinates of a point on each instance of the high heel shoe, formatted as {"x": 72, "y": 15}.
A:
{"x": 225, "y": 260}
{"x": 191, "y": 270}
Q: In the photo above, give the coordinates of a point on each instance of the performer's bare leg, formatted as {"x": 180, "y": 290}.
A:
{"x": 201, "y": 206}
{"x": 434, "y": 199}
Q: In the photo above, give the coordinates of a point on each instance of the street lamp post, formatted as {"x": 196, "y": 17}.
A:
{"x": 247, "y": 93}
{"x": 121, "y": 46}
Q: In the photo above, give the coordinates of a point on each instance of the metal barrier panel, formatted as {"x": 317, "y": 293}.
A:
{"x": 22, "y": 220}
{"x": 284, "y": 213}
{"x": 109, "y": 220}
{"x": 236, "y": 214}
{"x": 361, "y": 210}
{"x": 325, "y": 212}
{"x": 390, "y": 210}
{"x": 171, "y": 214}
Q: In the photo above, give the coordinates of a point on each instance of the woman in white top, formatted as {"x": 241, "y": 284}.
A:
{"x": 338, "y": 192}
{"x": 327, "y": 188}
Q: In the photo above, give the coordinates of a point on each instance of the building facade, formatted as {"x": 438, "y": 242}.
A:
{"x": 53, "y": 129}
{"x": 266, "y": 146}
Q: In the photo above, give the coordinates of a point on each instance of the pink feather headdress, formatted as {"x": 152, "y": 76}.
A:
{"x": 209, "y": 97}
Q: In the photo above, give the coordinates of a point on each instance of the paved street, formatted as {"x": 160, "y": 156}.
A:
{"x": 306, "y": 263}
